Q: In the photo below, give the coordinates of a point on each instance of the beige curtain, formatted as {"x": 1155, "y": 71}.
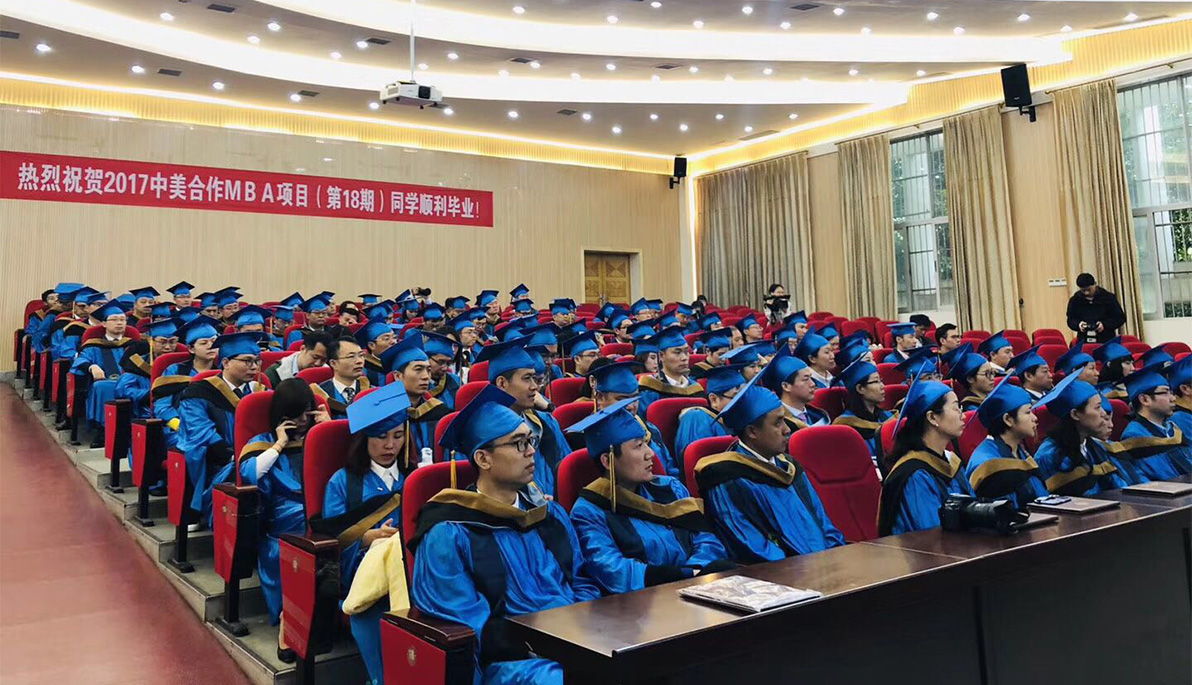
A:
{"x": 753, "y": 228}
{"x": 866, "y": 198}
{"x": 1095, "y": 204}
{"x": 983, "y": 260}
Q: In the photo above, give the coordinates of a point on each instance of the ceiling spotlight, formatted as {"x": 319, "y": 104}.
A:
{"x": 698, "y": 23}
{"x": 932, "y": 16}
{"x": 218, "y": 85}
{"x": 865, "y": 30}
{"x": 655, "y": 78}
{"x": 719, "y": 116}
{"x": 1065, "y": 29}
{"x": 335, "y": 54}
{"x": 920, "y": 73}
{"x": 448, "y": 111}
{"x": 535, "y": 64}
{"x": 374, "y": 106}
{"x": 749, "y": 129}
{"x": 653, "y": 116}
{"x": 785, "y": 26}
{"x": 959, "y": 30}
{"x": 328, "y": 159}
{"x": 423, "y": 66}
{"x": 612, "y": 19}
{"x": 503, "y": 73}
{"x": 513, "y": 114}
{"x": 683, "y": 128}
{"x": 452, "y": 56}
{"x": 295, "y": 97}
{"x": 747, "y": 9}
{"x": 518, "y": 9}
{"x": 362, "y": 44}
{"x": 43, "y": 48}
{"x": 575, "y": 76}
{"x": 587, "y": 116}
{"x": 838, "y": 11}
{"x": 610, "y": 66}
{"x": 853, "y": 72}
{"x": 655, "y": 4}
{"x": 1024, "y": 17}
{"x": 792, "y": 116}
{"x": 254, "y": 40}
{"x": 693, "y": 69}
{"x": 1131, "y": 17}
{"x": 137, "y": 69}
{"x": 166, "y": 16}
{"x": 616, "y": 130}
{"x": 768, "y": 71}
{"x": 273, "y": 26}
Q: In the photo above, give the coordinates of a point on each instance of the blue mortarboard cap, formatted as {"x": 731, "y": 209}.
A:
{"x": 955, "y": 353}
{"x": 433, "y": 312}
{"x": 920, "y": 362}
{"x": 186, "y": 315}
{"x": 826, "y": 331}
{"x": 161, "y": 310}
{"x": 920, "y": 397}
{"x": 719, "y": 339}
{"x": 855, "y": 337}
{"x": 748, "y": 405}
{"x": 1155, "y": 355}
{"x": 606, "y": 311}
{"x": 1005, "y": 398}
{"x": 642, "y": 330}
{"x": 966, "y": 366}
{"x": 126, "y": 299}
{"x": 486, "y": 297}
{"x": 294, "y": 300}
{"x": 747, "y": 321}
{"x": 541, "y": 336}
{"x": 1070, "y": 393}
{"x": 993, "y": 343}
{"x": 810, "y": 345}
{"x": 227, "y": 296}
{"x": 684, "y": 309}
{"x": 461, "y": 322}
{"x": 208, "y": 300}
{"x": 519, "y": 291}
{"x": 610, "y": 426}
{"x": 525, "y": 306}
{"x": 794, "y": 318}
{"x": 619, "y": 377}
{"x": 512, "y": 329}
{"x": 146, "y": 291}
{"x": 75, "y": 295}
{"x": 784, "y": 335}
{"x": 251, "y": 315}
{"x": 617, "y": 318}
{"x": 408, "y": 349}
{"x": 577, "y": 327}
{"x": 181, "y": 288}
{"x": 369, "y": 298}
{"x": 584, "y": 342}
{"x": 539, "y": 362}
{"x": 1026, "y": 361}
{"x": 317, "y": 303}
{"x": 236, "y": 344}
{"x": 669, "y": 337}
{"x": 506, "y": 356}
{"x": 668, "y": 319}
{"x": 372, "y": 330}
{"x": 380, "y": 411}
{"x": 457, "y": 302}
{"x": 379, "y": 311}
{"x": 1111, "y": 351}
{"x": 283, "y": 312}
{"x": 65, "y": 288}
{"x": 562, "y": 305}
{"x": 745, "y": 354}
{"x": 765, "y": 348}
{"x": 1180, "y": 373}
{"x": 847, "y": 354}
{"x": 708, "y": 320}
{"x": 1072, "y": 359}
{"x": 781, "y": 368}
{"x": 433, "y": 343}
{"x": 641, "y": 305}
{"x": 112, "y": 308}
{"x": 856, "y": 373}
{"x": 721, "y": 379}
{"x": 644, "y": 345}
{"x": 486, "y": 418}
{"x": 166, "y": 328}
{"x": 655, "y": 304}
{"x": 409, "y": 304}
{"x": 1144, "y": 380}
{"x": 899, "y": 329}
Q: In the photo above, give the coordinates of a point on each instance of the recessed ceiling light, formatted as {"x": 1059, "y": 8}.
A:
{"x": 448, "y": 111}
{"x": 43, "y": 48}
{"x": 137, "y": 69}
{"x": 328, "y": 159}
{"x": 785, "y": 26}
{"x": 301, "y": 168}
{"x": 518, "y": 9}
{"x": 959, "y": 30}
{"x": 295, "y": 97}
{"x": 166, "y": 16}
{"x": 452, "y": 56}
{"x": 218, "y": 85}
{"x": 865, "y": 30}
{"x": 693, "y": 69}
{"x": 768, "y": 71}
{"x": 575, "y": 76}
{"x": 374, "y": 106}
{"x": 747, "y": 9}
{"x": 920, "y": 73}
{"x": 653, "y": 116}
{"x": 362, "y": 44}
{"x": 423, "y": 66}
{"x": 719, "y": 116}
{"x": 655, "y": 78}
{"x": 838, "y": 11}
{"x": 612, "y": 19}
{"x": 683, "y": 128}
{"x": 698, "y": 23}
{"x": 513, "y": 114}
{"x": 932, "y": 16}
{"x": 616, "y": 130}
{"x": 749, "y": 129}
{"x": 655, "y": 4}
{"x": 728, "y": 78}
{"x": 1131, "y": 17}
{"x": 335, "y": 54}
{"x": 1024, "y": 17}
{"x": 1065, "y": 29}
{"x": 792, "y": 116}
{"x": 273, "y": 26}
{"x": 610, "y": 66}
{"x": 254, "y": 40}
{"x": 535, "y": 64}
{"x": 853, "y": 72}
{"x": 503, "y": 73}
{"x": 587, "y": 116}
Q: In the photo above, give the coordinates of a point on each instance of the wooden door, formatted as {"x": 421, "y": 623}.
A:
{"x": 606, "y": 277}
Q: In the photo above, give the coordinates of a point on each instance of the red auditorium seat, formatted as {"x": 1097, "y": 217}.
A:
{"x": 616, "y": 349}
{"x": 895, "y": 392}
{"x": 1127, "y": 338}
{"x": 1136, "y": 347}
{"x": 478, "y": 372}
{"x": 1050, "y": 332}
{"x": 974, "y": 433}
{"x": 817, "y": 316}
{"x": 887, "y": 438}
{"x": 290, "y": 329}
{"x": 21, "y": 342}
{"x": 1019, "y": 343}
{"x": 1121, "y": 418}
{"x": 698, "y": 450}
{"x": 976, "y": 333}
{"x": 849, "y": 327}
{"x": 577, "y": 470}
{"x": 440, "y": 429}
{"x": 837, "y": 321}
{"x": 566, "y": 390}
{"x": 294, "y": 346}
{"x": 270, "y": 357}
{"x": 890, "y": 374}
{"x": 316, "y": 374}
{"x": 871, "y": 322}
{"x": 879, "y": 355}
{"x": 830, "y": 400}
{"x": 572, "y": 413}
{"x": 1052, "y": 353}
{"x": 1046, "y": 421}
{"x": 467, "y": 392}
{"x": 664, "y": 414}
{"x": 840, "y": 468}
{"x": 1177, "y": 348}
{"x": 1051, "y": 340}
{"x": 881, "y": 328}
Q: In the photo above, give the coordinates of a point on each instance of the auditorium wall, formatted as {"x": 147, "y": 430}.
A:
{"x": 545, "y": 216}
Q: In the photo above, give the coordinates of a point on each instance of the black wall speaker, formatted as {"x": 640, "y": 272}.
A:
{"x": 1016, "y": 86}
{"x": 680, "y": 167}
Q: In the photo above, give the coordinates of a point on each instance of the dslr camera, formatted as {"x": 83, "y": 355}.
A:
{"x": 965, "y": 513}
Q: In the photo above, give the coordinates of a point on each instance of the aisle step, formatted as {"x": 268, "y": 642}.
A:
{"x": 256, "y": 654}
{"x": 158, "y": 540}
{"x": 203, "y": 589}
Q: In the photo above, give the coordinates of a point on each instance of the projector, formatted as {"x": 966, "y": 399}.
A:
{"x": 411, "y": 94}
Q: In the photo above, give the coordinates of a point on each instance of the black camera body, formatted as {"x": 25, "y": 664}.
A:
{"x": 965, "y": 513}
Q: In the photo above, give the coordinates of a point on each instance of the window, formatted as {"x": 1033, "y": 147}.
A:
{"x": 922, "y": 246}
{"x": 1156, "y": 123}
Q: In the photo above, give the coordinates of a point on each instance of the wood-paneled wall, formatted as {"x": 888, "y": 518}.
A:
{"x": 827, "y": 241}
{"x": 545, "y": 215}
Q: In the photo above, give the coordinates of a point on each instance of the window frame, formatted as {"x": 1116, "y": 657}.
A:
{"x": 905, "y": 273}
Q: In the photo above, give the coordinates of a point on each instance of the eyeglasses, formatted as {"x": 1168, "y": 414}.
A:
{"x": 988, "y": 374}
{"x": 250, "y": 361}
{"x": 520, "y": 444}
{"x": 351, "y": 357}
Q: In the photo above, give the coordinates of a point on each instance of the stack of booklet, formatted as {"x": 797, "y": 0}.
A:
{"x": 748, "y": 594}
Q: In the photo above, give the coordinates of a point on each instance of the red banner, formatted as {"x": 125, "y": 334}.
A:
{"x": 60, "y": 178}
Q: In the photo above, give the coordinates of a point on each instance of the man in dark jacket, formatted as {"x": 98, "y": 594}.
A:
{"x": 1093, "y": 312}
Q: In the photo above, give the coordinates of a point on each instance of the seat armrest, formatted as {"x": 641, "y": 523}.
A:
{"x": 313, "y": 543}
{"x": 439, "y": 632}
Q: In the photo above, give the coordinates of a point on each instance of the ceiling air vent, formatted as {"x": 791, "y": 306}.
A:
{"x": 377, "y": 41}
{"x": 10, "y": 34}
{"x": 216, "y": 7}
{"x": 760, "y": 134}
{"x": 805, "y": 7}
{"x": 308, "y": 93}
{"x": 566, "y": 112}
{"x": 521, "y": 60}
{"x": 666, "y": 67}
{"x": 169, "y": 72}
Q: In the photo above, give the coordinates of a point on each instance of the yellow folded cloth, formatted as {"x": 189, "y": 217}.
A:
{"x": 173, "y": 424}
{"x": 383, "y": 570}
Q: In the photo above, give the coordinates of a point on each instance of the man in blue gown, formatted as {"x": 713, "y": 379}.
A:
{"x": 498, "y": 549}
{"x": 790, "y": 379}
{"x": 198, "y": 334}
{"x": 1033, "y": 372}
{"x": 712, "y": 344}
{"x": 674, "y": 376}
{"x": 1179, "y": 377}
{"x": 408, "y": 362}
{"x": 1152, "y": 441}
{"x": 441, "y": 351}
{"x": 697, "y": 423}
{"x": 98, "y": 365}
{"x": 374, "y": 338}
{"x": 637, "y": 529}
{"x": 612, "y": 383}
{"x": 346, "y": 360}
{"x": 761, "y": 502}
{"x": 1001, "y": 467}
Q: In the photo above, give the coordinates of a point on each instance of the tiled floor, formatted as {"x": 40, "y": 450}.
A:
{"x": 79, "y": 601}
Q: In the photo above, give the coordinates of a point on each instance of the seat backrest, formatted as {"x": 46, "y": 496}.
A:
{"x": 1121, "y": 418}
{"x": 830, "y": 400}
{"x": 1052, "y": 353}
{"x": 887, "y": 435}
{"x": 1136, "y": 347}
{"x": 204, "y": 374}
{"x": 572, "y": 413}
{"x": 664, "y": 414}
{"x": 290, "y": 329}
{"x": 271, "y": 357}
{"x": 840, "y": 468}
{"x": 698, "y": 450}
{"x": 566, "y": 390}
{"x": 575, "y": 472}
{"x": 165, "y": 360}
{"x": 974, "y": 433}
{"x": 1051, "y": 340}
{"x": 324, "y": 453}
{"x": 1127, "y": 338}
{"x": 422, "y": 484}
{"x": 976, "y": 333}
{"x": 1019, "y": 344}
{"x": 894, "y": 394}
{"x": 316, "y": 374}
{"x": 850, "y": 327}
{"x": 1051, "y": 332}
{"x": 478, "y": 372}
{"x": 816, "y": 316}
{"x": 616, "y": 349}
{"x": 440, "y": 429}
{"x": 1176, "y": 348}
{"x": 1046, "y": 421}
{"x": 837, "y": 321}
{"x": 252, "y": 418}
{"x": 889, "y": 373}
{"x": 879, "y": 355}
{"x": 467, "y": 392}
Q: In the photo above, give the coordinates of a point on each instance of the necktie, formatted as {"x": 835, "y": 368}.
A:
{"x": 349, "y": 395}
{"x": 241, "y": 391}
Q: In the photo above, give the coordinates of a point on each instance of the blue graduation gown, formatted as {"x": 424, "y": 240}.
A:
{"x": 916, "y": 505}
{"x": 1158, "y": 463}
{"x": 337, "y": 406}
{"x": 1183, "y": 420}
{"x": 654, "y": 388}
{"x": 64, "y": 344}
{"x": 445, "y": 390}
{"x": 207, "y": 423}
{"x": 374, "y": 371}
{"x": 39, "y": 332}
{"x": 552, "y": 448}
{"x": 695, "y": 423}
{"x": 166, "y": 407}
{"x": 767, "y": 521}
{"x": 282, "y": 510}
{"x": 420, "y": 428}
{"x": 994, "y": 471}
{"x": 108, "y": 358}
{"x": 660, "y": 545}
{"x": 444, "y": 585}
{"x": 135, "y": 387}
{"x": 871, "y": 434}
{"x": 1074, "y": 474}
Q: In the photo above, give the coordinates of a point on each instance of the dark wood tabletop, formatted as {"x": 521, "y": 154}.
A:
{"x": 1152, "y": 500}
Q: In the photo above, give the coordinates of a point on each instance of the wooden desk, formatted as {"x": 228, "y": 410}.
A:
{"x": 1152, "y": 500}
{"x": 1105, "y": 598}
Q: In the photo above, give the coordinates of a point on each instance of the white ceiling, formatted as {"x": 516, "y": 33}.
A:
{"x": 97, "y": 41}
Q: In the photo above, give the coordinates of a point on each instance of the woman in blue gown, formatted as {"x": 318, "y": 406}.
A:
{"x": 1001, "y": 467}
{"x": 864, "y": 413}
{"x": 923, "y": 472}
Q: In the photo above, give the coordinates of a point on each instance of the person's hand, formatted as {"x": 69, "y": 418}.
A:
{"x": 540, "y": 402}
{"x": 385, "y": 531}
{"x": 1100, "y": 327}
{"x": 320, "y": 415}
{"x": 283, "y": 433}
{"x": 96, "y": 372}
